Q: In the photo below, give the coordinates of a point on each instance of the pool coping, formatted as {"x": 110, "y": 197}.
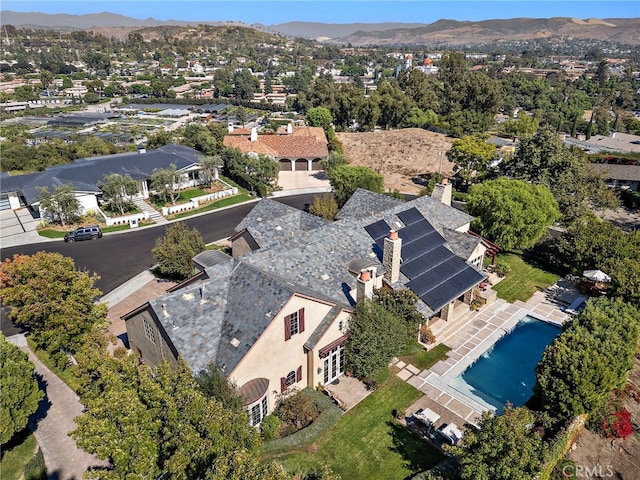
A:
{"x": 479, "y": 334}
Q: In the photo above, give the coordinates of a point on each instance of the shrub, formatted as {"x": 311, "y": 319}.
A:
{"x": 270, "y": 427}
{"x": 36, "y": 468}
{"x": 426, "y": 335}
{"x": 619, "y": 426}
{"x": 399, "y": 413}
{"x": 296, "y": 411}
{"x": 502, "y": 268}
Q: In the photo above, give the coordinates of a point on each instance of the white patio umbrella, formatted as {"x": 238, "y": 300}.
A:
{"x": 596, "y": 275}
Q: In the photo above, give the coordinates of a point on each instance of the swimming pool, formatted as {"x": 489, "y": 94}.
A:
{"x": 506, "y": 372}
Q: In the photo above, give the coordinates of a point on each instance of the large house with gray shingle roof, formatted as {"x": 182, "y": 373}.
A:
{"x": 275, "y": 314}
{"x": 86, "y": 174}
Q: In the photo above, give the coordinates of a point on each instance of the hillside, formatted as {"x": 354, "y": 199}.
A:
{"x": 442, "y": 32}
{"x": 452, "y": 32}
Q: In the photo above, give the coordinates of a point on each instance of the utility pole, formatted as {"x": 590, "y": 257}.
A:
{"x": 440, "y": 157}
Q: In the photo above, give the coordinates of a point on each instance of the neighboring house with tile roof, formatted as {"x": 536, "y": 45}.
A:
{"x": 275, "y": 313}
{"x": 295, "y": 148}
{"x": 86, "y": 174}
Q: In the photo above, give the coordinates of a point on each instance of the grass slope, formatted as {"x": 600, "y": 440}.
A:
{"x": 523, "y": 280}
{"x": 367, "y": 442}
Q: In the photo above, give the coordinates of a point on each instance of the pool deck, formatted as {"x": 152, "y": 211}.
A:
{"x": 477, "y": 333}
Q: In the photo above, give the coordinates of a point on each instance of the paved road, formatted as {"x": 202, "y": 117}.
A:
{"x": 117, "y": 258}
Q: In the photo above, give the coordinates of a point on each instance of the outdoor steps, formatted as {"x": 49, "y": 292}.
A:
{"x": 152, "y": 212}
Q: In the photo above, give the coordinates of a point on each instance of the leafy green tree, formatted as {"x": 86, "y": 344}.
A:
{"x": 118, "y": 190}
{"x": 346, "y": 179}
{"x": 209, "y": 166}
{"x": 501, "y": 447}
{"x": 393, "y": 105}
{"x": 174, "y": 250}
{"x": 60, "y": 205}
{"x": 166, "y": 182}
{"x": 543, "y": 159}
{"x": 402, "y": 303}
{"x": 333, "y": 160}
{"x": 319, "y": 117}
{"x": 324, "y": 206}
{"x": 512, "y": 213}
{"x": 19, "y": 390}
{"x": 590, "y": 358}
{"x": 419, "y": 118}
{"x": 471, "y": 156}
{"x": 521, "y": 127}
{"x": 214, "y": 384}
{"x": 375, "y": 336}
{"x": 91, "y": 97}
{"x": 256, "y": 173}
{"x": 245, "y": 84}
{"x": 55, "y": 300}
{"x": 154, "y": 422}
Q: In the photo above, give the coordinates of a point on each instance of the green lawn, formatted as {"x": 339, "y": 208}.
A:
{"x": 367, "y": 442}
{"x": 416, "y": 355}
{"x": 523, "y": 280}
{"x": 14, "y": 458}
{"x": 224, "y": 202}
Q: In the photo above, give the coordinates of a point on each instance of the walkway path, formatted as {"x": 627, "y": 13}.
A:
{"x": 53, "y": 421}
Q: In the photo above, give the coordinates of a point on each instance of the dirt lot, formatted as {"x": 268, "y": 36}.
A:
{"x": 611, "y": 459}
{"x": 404, "y": 157}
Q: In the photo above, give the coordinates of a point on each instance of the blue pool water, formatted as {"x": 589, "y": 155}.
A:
{"x": 506, "y": 372}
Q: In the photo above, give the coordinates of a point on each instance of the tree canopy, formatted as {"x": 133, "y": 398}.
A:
{"x": 155, "y": 421}
{"x": 118, "y": 189}
{"x": 55, "y": 300}
{"x": 19, "y": 390}
{"x": 590, "y": 358}
{"x": 60, "y": 205}
{"x": 471, "y": 156}
{"x": 501, "y": 447}
{"x": 375, "y": 336}
{"x": 175, "y": 250}
{"x": 346, "y": 179}
{"x": 165, "y": 182}
{"x": 543, "y": 159}
{"x": 512, "y": 213}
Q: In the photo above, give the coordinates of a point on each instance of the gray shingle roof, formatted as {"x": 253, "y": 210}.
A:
{"x": 85, "y": 174}
{"x": 618, "y": 172}
{"x": 307, "y": 256}
{"x": 462, "y": 244}
{"x": 364, "y": 203}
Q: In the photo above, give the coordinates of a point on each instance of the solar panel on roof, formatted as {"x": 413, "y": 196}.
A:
{"x": 415, "y": 230}
{"x": 410, "y": 216}
{"x": 378, "y": 230}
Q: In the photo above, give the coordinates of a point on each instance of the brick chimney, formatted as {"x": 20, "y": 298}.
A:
{"x": 391, "y": 256}
{"x": 254, "y": 134}
{"x": 364, "y": 286}
{"x": 442, "y": 192}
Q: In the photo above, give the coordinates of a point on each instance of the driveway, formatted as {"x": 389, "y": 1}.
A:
{"x": 53, "y": 421}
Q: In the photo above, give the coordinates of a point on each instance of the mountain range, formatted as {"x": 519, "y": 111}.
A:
{"x": 444, "y": 32}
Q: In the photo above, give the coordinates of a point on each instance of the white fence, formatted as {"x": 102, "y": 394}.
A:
{"x": 195, "y": 202}
{"x": 125, "y": 219}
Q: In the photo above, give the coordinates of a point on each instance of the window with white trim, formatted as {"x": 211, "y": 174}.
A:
{"x": 295, "y": 326}
{"x": 258, "y": 411}
{"x": 291, "y": 378}
{"x": 148, "y": 330}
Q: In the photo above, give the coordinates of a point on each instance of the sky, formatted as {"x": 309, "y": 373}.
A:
{"x": 270, "y": 12}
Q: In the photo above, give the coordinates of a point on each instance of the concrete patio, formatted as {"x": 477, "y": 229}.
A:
{"x": 348, "y": 391}
{"x": 477, "y": 332}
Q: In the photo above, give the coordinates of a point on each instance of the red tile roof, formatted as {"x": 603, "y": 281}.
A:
{"x": 303, "y": 142}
